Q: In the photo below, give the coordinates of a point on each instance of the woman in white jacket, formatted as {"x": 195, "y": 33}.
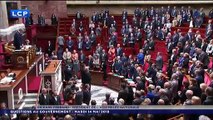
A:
{"x": 209, "y": 49}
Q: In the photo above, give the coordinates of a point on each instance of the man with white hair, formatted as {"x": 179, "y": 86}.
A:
{"x": 167, "y": 87}
{"x": 161, "y": 102}
{"x": 189, "y": 94}
{"x": 121, "y": 101}
{"x": 68, "y": 117}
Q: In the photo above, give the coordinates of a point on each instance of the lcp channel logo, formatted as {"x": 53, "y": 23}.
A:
{"x": 19, "y": 13}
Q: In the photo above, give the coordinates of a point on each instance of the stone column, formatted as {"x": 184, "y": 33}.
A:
{"x": 3, "y": 15}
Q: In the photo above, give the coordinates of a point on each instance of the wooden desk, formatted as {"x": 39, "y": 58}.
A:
{"x": 96, "y": 77}
{"x": 10, "y": 93}
{"x": 52, "y": 76}
{"x": 115, "y": 81}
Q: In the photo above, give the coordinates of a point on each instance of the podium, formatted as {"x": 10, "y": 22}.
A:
{"x": 13, "y": 93}
{"x": 23, "y": 58}
{"x": 52, "y": 76}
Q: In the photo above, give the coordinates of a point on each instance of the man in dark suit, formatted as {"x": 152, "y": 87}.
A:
{"x": 87, "y": 43}
{"x": 86, "y": 94}
{"x": 54, "y": 20}
{"x": 80, "y": 42}
{"x": 117, "y": 65}
{"x": 175, "y": 38}
{"x": 82, "y": 57}
{"x": 78, "y": 97}
{"x": 151, "y": 44}
{"x": 50, "y": 48}
{"x": 79, "y": 15}
{"x": 209, "y": 98}
{"x": 56, "y": 99}
{"x": 189, "y": 36}
{"x": 137, "y": 100}
{"x": 44, "y": 97}
{"x": 18, "y": 40}
{"x": 123, "y": 93}
{"x": 103, "y": 56}
{"x": 203, "y": 57}
{"x": 119, "y": 50}
{"x": 125, "y": 40}
{"x": 68, "y": 72}
{"x": 92, "y": 38}
{"x": 132, "y": 40}
{"x": 86, "y": 77}
{"x": 159, "y": 61}
{"x": 70, "y": 43}
{"x": 139, "y": 37}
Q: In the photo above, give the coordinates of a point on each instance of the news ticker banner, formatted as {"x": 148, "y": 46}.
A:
{"x": 113, "y": 110}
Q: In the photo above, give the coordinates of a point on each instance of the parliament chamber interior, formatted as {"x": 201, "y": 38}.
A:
{"x": 156, "y": 56}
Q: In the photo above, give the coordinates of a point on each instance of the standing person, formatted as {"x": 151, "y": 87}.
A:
{"x": 78, "y": 96}
{"x": 159, "y": 61}
{"x": 86, "y": 94}
{"x": 56, "y": 99}
{"x": 18, "y": 40}
{"x": 61, "y": 41}
{"x": 54, "y": 19}
{"x": 50, "y": 48}
{"x": 76, "y": 66}
{"x": 86, "y": 77}
{"x": 104, "y": 69}
{"x": 140, "y": 57}
{"x": 44, "y": 97}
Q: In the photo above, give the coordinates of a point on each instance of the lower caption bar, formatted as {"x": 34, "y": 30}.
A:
{"x": 105, "y": 111}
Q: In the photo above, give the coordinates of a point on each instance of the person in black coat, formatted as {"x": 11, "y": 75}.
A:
{"x": 82, "y": 57}
{"x": 152, "y": 72}
{"x": 18, "y": 40}
{"x": 123, "y": 93}
{"x": 104, "y": 69}
{"x": 203, "y": 57}
{"x": 56, "y": 99}
{"x": 50, "y": 48}
{"x": 119, "y": 50}
{"x": 130, "y": 96}
{"x": 78, "y": 97}
{"x": 137, "y": 100}
{"x": 86, "y": 94}
{"x": 209, "y": 98}
{"x": 68, "y": 72}
{"x": 86, "y": 77}
{"x": 44, "y": 97}
{"x": 54, "y": 20}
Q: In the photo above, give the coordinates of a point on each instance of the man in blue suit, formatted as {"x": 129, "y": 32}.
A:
{"x": 140, "y": 57}
{"x": 70, "y": 43}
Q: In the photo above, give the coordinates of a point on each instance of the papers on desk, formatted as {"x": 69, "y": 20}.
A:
{"x": 115, "y": 74}
{"x": 6, "y": 80}
{"x": 131, "y": 82}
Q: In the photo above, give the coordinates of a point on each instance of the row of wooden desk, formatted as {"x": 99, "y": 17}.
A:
{"x": 114, "y": 81}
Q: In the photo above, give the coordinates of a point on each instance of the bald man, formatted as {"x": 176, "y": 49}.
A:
{"x": 44, "y": 97}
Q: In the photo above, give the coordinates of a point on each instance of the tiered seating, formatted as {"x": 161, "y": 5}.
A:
{"x": 65, "y": 23}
